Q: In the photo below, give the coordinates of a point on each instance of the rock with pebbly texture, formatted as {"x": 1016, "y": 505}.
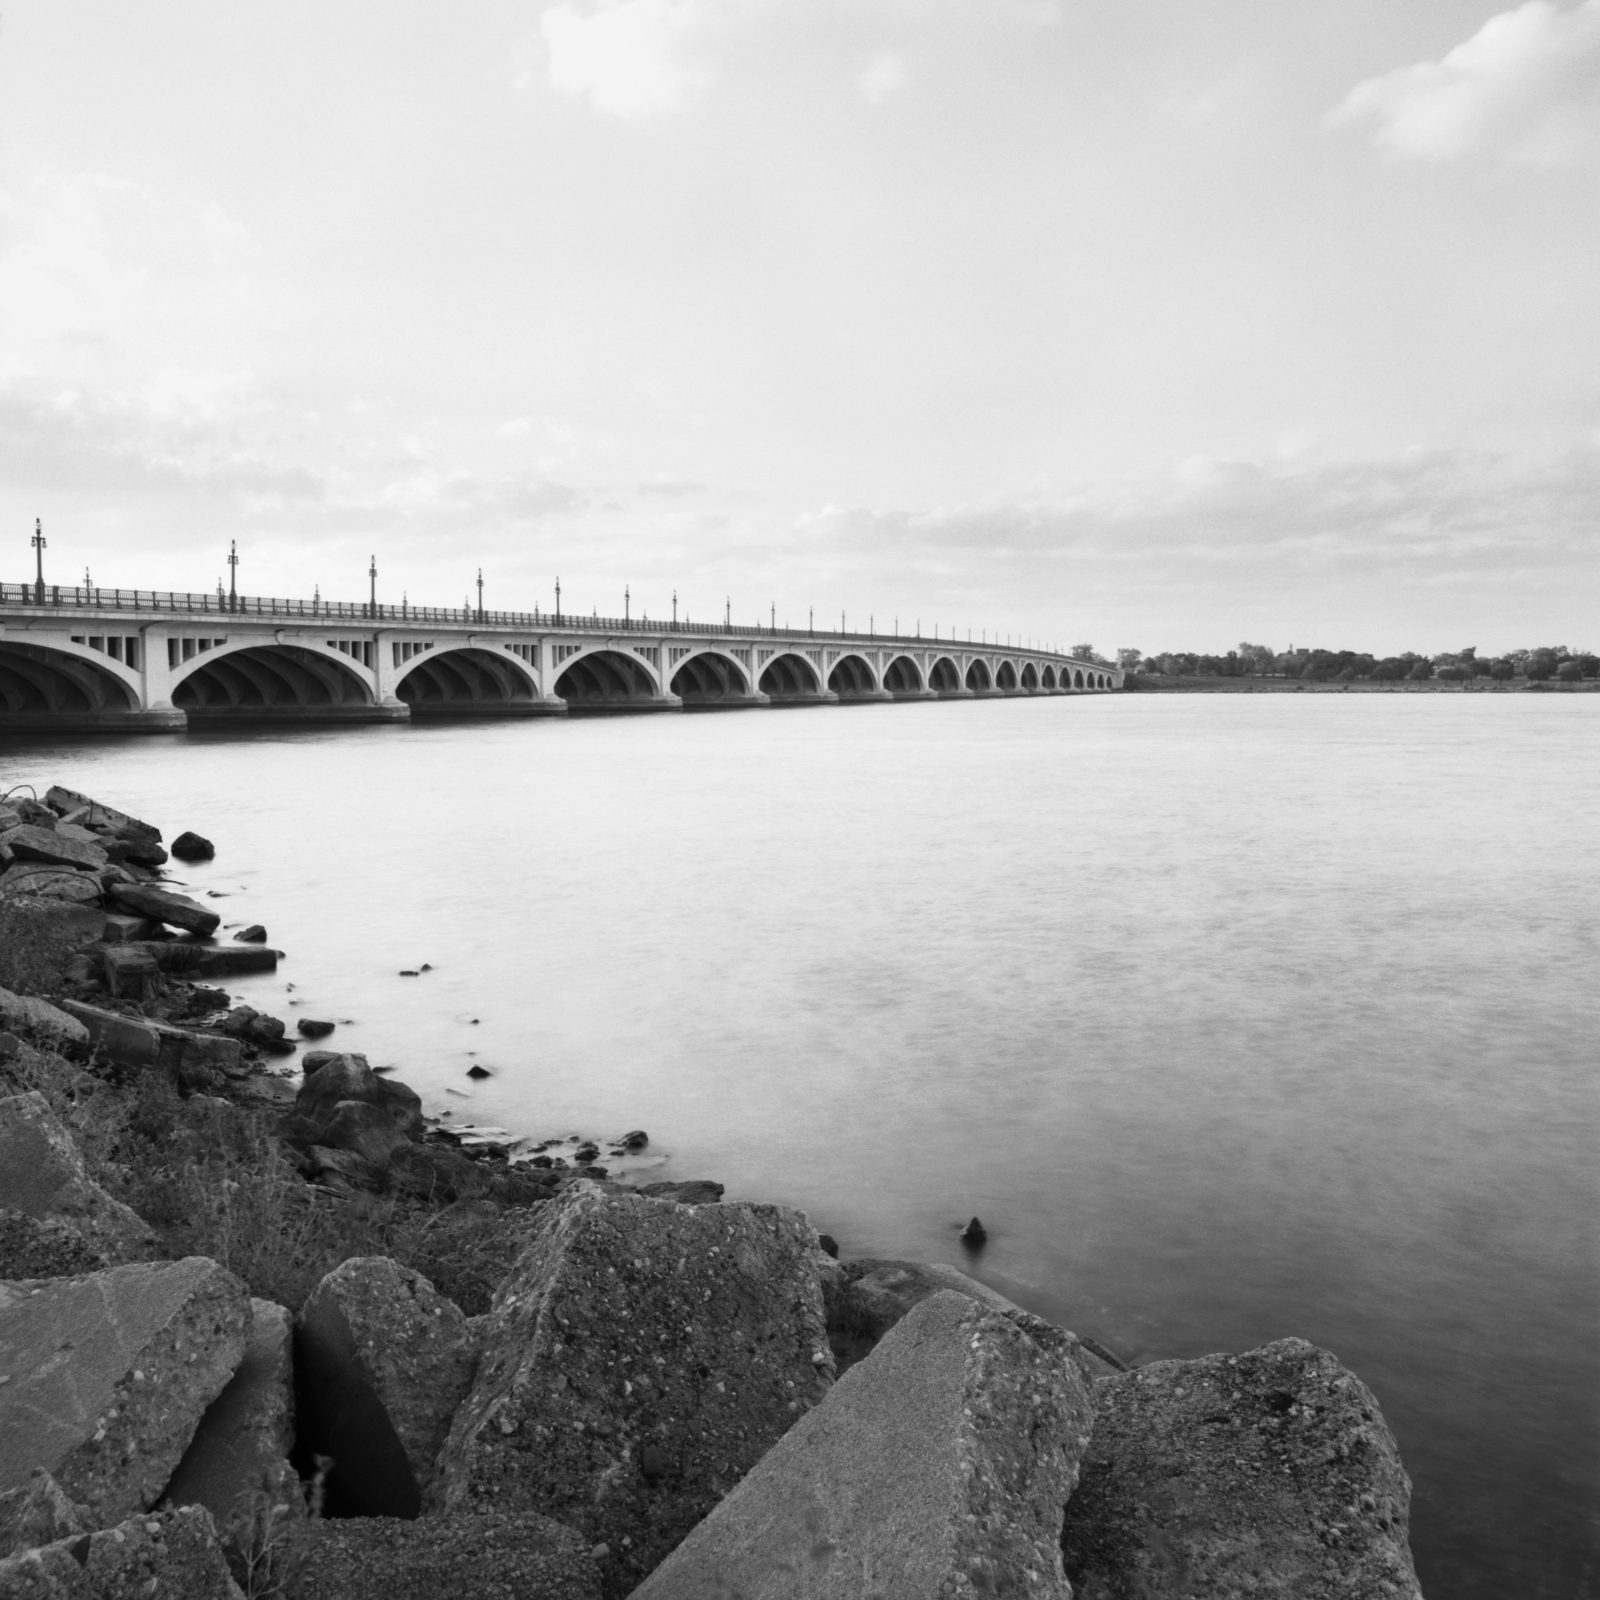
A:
{"x": 44, "y": 1247}
{"x": 687, "y": 1191}
{"x": 173, "y": 1556}
{"x": 242, "y": 1443}
{"x": 936, "y": 1467}
{"x": 28, "y": 1014}
{"x": 639, "y": 1358}
{"x": 110, "y": 1374}
{"x": 38, "y": 1513}
{"x": 42, "y": 1176}
{"x": 1270, "y": 1473}
{"x": 51, "y": 883}
{"x": 486, "y": 1556}
{"x": 384, "y": 1361}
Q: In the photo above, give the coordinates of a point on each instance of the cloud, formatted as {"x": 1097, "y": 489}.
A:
{"x": 883, "y": 76}
{"x": 629, "y": 58}
{"x": 1525, "y": 87}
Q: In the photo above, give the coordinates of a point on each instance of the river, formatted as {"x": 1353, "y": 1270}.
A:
{"x": 1231, "y": 1016}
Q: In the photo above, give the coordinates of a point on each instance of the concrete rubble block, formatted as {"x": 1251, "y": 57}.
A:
{"x": 68, "y": 802}
{"x": 130, "y": 972}
{"x": 375, "y": 1331}
{"x": 1270, "y": 1473}
{"x": 163, "y": 905}
{"x": 110, "y": 1374}
{"x": 38, "y": 1512}
{"x": 9, "y": 818}
{"x": 194, "y": 1059}
{"x": 242, "y": 1444}
{"x": 39, "y": 1017}
{"x": 484, "y": 1556}
{"x": 640, "y": 1357}
{"x": 211, "y": 961}
{"x": 49, "y": 883}
{"x": 49, "y": 847}
{"x": 42, "y": 1176}
{"x": 121, "y": 928}
{"x": 170, "y": 1556}
{"x": 938, "y": 1466}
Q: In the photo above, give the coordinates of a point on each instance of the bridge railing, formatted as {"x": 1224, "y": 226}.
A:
{"x": 165, "y": 602}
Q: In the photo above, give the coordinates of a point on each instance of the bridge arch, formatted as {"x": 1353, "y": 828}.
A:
{"x": 1030, "y": 676}
{"x": 710, "y": 678}
{"x": 789, "y": 676}
{"x": 943, "y": 676}
{"x": 466, "y": 680}
{"x": 263, "y": 680}
{"x": 1005, "y": 677}
{"x": 979, "y": 680}
{"x": 61, "y": 679}
{"x": 852, "y": 678}
{"x": 1048, "y": 677}
{"x": 1077, "y": 678}
{"x": 902, "y": 676}
{"x": 602, "y": 679}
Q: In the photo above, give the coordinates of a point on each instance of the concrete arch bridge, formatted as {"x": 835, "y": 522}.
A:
{"x": 130, "y": 660}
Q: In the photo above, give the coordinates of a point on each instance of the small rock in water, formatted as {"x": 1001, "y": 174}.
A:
{"x": 586, "y": 1152}
{"x": 974, "y": 1234}
{"x": 829, "y": 1244}
{"x": 476, "y": 1071}
{"x": 311, "y": 1028}
{"x": 427, "y": 966}
{"x": 636, "y": 1140}
{"x": 408, "y": 972}
{"x": 191, "y": 847}
{"x": 216, "y": 894}
{"x": 254, "y": 934}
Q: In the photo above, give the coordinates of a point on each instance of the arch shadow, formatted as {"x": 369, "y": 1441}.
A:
{"x": 978, "y": 679}
{"x": 602, "y": 681}
{"x": 710, "y": 679}
{"x": 852, "y": 678}
{"x": 790, "y": 679}
{"x": 468, "y": 681}
{"x": 1005, "y": 678}
{"x": 902, "y": 678}
{"x": 275, "y": 683}
{"x": 48, "y": 689}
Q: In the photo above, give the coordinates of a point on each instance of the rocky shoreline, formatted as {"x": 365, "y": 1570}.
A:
{"x": 269, "y": 1331}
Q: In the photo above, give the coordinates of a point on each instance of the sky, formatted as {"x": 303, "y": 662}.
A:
{"x": 1151, "y": 323}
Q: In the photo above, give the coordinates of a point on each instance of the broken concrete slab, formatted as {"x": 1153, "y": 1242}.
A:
{"x": 42, "y": 1176}
{"x": 162, "y": 905}
{"x": 373, "y": 1325}
{"x": 482, "y": 1555}
{"x": 130, "y": 972}
{"x": 1270, "y": 1473}
{"x": 193, "y": 1058}
{"x": 38, "y": 1512}
{"x": 49, "y": 847}
{"x": 122, "y": 928}
{"x": 210, "y": 961}
{"x": 110, "y": 1374}
{"x": 242, "y": 1443}
{"x": 638, "y": 1360}
{"x": 38, "y": 1017}
{"x": 937, "y": 1466}
{"x": 170, "y": 1556}
{"x": 67, "y": 802}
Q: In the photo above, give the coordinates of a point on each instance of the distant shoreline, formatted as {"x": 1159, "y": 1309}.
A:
{"x": 1138, "y": 683}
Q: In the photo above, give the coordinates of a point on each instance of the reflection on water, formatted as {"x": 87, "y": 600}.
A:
{"x": 1232, "y": 1017}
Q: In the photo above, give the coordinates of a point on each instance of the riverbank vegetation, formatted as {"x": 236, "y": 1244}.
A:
{"x": 1544, "y": 665}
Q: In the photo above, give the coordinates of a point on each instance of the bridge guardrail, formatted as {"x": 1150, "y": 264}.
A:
{"x": 165, "y": 602}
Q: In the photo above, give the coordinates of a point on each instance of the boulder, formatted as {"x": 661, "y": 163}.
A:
{"x": 41, "y": 1019}
{"x": 1270, "y": 1473}
{"x": 10, "y": 817}
{"x": 313, "y": 1028}
{"x": 171, "y": 1556}
{"x": 253, "y": 1027}
{"x": 68, "y": 802}
{"x": 49, "y": 883}
{"x": 938, "y": 1466}
{"x": 194, "y": 1059}
{"x": 485, "y": 1556}
{"x": 162, "y": 905}
{"x": 639, "y": 1358}
{"x": 243, "y": 1441}
{"x": 690, "y": 1192}
{"x": 49, "y": 847}
{"x": 337, "y": 1078}
{"x": 254, "y": 934}
{"x": 126, "y": 851}
{"x": 192, "y": 847}
{"x": 37, "y": 1513}
{"x": 110, "y": 1374}
{"x": 384, "y": 1360}
{"x": 42, "y": 1176}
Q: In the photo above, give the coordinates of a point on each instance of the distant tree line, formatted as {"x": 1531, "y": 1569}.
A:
{"x": 1538, "y": 665}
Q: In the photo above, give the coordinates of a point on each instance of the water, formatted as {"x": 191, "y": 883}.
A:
{"x": 1233, "y": 1017}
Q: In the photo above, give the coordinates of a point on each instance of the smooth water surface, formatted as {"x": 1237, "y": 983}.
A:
{"x": 1231, "y": 1016}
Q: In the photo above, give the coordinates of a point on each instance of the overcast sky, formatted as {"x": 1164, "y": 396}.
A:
{"x": 1164, "y": 323}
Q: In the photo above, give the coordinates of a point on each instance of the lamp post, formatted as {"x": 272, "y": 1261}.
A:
{"x": 772, "y": 618}
{"x": 811, "y": 619}
{"x": 727, "y": 611}
{"x": 674, "y": 608}
{"x": 558, "y": 602}
{"x": 38, "y": 555}
{"x": 372, "y": 586}
{"x": 480, "y": 594}
{"x": 233, "y": 574}
{"x": 88, "y": 583}
{"x": 627, "y": 603}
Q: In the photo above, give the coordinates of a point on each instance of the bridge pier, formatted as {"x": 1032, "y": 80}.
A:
{"x": 168, "y": 721}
